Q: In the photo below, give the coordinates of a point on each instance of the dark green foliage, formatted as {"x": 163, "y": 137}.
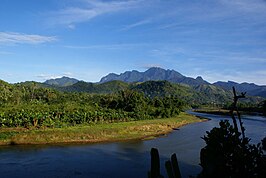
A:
{"x": 192, "y": 95}
{"x": 30, "y": 104}
{"x": 228, "y": 155}
{"x": 254, "y": 104}
{"x": 36, "y": 104}
{"x": 79, "y": 87}
{"x": 156, "y": 88}
{"x": 103, "y": 88}
{"x": 228, "y": 152}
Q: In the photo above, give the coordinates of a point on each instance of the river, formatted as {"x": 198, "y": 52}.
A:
{"x": 121, "y": 159}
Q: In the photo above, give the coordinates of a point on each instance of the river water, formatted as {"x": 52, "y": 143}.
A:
{"x": 121, "y": 159}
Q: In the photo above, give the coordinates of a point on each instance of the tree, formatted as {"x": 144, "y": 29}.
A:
{"x": 228, "y": 152}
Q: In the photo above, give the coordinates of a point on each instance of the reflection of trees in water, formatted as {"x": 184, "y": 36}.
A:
{"x": 133, "y": 145}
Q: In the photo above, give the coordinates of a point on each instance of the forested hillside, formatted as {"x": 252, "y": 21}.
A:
{"x": 41, "y": 105}
{"x": 32, "y": 104}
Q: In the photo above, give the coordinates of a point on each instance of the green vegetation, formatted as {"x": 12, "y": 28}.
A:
{"x": 100, "y": 132}
{"x": 226, "y": 154}
{"x": 35, "y": 113}
{"x": 32, "y": 105}
{"x": 195, "y": 96}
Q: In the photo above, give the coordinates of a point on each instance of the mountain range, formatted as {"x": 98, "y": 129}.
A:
{"x": 251, "y": 88}
{"x": 155, "y": 74}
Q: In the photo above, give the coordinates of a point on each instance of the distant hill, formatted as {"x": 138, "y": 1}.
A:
{"x": 100, "y": 88}
{"x": 200, "y": 94}
{"x": 61, "y": 82}
{"x": 192, "y": 95}
{"x": 251, "y": 88}
{"x": 172, "y": 76}
{"x": 154, "y": 74}
{"x": 162, "y": 88}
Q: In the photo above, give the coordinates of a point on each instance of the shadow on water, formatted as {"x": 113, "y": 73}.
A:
{"x": 129, "y": 159}
{"x": 122, "y": 159}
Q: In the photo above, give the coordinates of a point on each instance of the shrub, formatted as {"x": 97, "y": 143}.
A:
{"x": 228, "y": 155}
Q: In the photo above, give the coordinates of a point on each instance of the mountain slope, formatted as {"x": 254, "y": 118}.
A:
{"x": 102, "y": 88}
{"x": 251, "y": 88}
{"x": 154, "y": 74}
{"x": 61, "y": 82}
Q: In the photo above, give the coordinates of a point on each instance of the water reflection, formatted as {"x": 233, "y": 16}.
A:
{"x": 122, "y": 159}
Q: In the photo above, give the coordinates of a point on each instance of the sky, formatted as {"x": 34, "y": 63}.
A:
{"x": 219, "y": 40}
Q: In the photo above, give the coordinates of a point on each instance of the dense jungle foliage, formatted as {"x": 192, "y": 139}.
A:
{"x": 29, "y": 104}
{"x": 40, "y": 105}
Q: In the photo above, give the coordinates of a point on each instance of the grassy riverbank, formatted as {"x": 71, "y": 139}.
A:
{"x": 213, "y": 111}
{"x": 224, "y": 112}
{"x": 105, "y": 132}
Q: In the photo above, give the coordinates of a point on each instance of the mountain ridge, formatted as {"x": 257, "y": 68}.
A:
{"x": 159, "y": 74}
{"x": 61, "y": 82}
{"x": 251, "y": 88}
{"x": 154, "y": 74}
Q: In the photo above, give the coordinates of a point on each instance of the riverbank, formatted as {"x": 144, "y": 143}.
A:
{"x": 225, "y": 112}
{"x": 105, "y": 132}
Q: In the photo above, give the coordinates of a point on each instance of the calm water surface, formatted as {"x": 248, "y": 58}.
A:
{"x": 122, "y": 159}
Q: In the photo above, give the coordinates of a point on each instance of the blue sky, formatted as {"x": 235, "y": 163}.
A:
{"x": 219, "y": 40}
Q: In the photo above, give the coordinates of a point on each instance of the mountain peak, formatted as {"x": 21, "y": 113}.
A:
{"x": 153, "y": 74}
{"x": 199, "y": 78}
{"x": 155, "y": 68}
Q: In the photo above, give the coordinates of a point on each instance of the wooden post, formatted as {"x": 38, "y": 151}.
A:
{"x": 155, "y": 164}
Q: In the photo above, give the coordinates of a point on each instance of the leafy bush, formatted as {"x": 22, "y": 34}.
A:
{"x": 228, "y": 155}
{"x": 39, "y": 107}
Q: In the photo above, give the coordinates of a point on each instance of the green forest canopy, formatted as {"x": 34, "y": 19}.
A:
{"x": 39, "y": 105}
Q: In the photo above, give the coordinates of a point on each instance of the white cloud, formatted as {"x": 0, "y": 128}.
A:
{"x": 68, "y": 74}
{"x": 21, "y": 38}
{"x": 71, "y": 26}
{"x": 90, "y": 9}
{"x": 139, "y": 23}
{"x": 48, "y": 76}
{"x": 110, "y": 46}
{"x": 147, "y": 66}
{"x": 54, "y": 76}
